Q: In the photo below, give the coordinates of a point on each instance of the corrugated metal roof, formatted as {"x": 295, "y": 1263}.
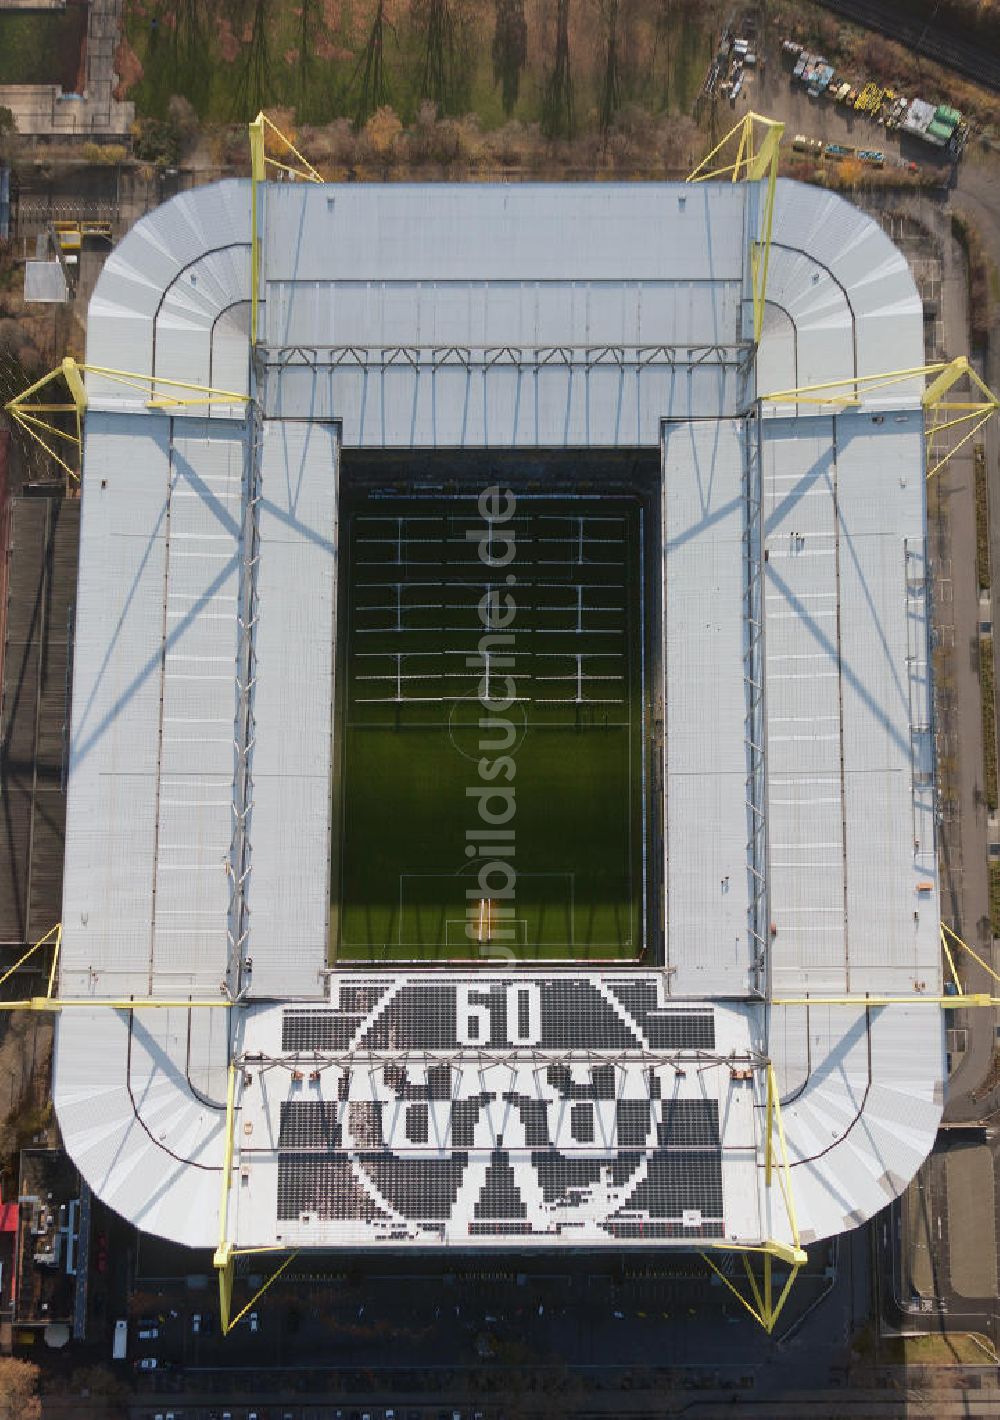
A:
{"x": 708, "y": 950}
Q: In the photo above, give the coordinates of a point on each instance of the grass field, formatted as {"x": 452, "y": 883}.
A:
{"x": 43, "y": 47}
{"x": 412, "y": 743}
{"x": 230, "y": 57}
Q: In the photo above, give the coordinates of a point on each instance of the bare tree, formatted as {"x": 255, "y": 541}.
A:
{"x": 557, "y": 98}
{"x": 611, "y": 85}
{"x": 369, "y": 77}
{"x": 510, "y": 50}
{"x": 253, "y": 81}
{"x": 188, "y": 37}
{"x": 439, "y": 54}
{"x": 307, "y": 32}
{"x": 665, "y": 16}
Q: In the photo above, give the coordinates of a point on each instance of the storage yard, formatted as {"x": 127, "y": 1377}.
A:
{"x": 940, "y": 126}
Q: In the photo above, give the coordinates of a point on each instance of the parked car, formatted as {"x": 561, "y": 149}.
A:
{"x": 254, "y": 1322}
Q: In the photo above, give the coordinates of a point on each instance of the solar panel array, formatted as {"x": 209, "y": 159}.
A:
{"x": 572, "y": 1012}
{"x": 415, "y": 1127}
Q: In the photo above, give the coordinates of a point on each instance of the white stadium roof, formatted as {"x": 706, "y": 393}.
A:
{"x": 198, "y": 825}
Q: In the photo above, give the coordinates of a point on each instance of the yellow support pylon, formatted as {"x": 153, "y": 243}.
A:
{"x": 250, "y": 1252}
{"x": 116, "y": 1003}
{"x": 976, "y": 412}
{"x": 54, "y": 934}
{"x": 846, "y": 393}
{"x": 260, "y": 160}
{"x": 951, "y": 961}
{"x": 756, "y": 159}
{"x": 52, "y": 1002}
{"x": 763, "y": 1307}
{"x": 223, "y": 1258}
{"x": 225, "y": 1254}
{"x": 27, "y": 412}
{"x": 972, "y": 953}
{"x": 945, "y": 1003}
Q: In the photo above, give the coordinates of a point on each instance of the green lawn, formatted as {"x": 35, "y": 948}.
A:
{"x": 43, "y": 47}
{"x": 411, "y": 738}
{"x": 230, "y": 57}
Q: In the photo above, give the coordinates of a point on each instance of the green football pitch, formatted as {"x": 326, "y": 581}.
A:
{"x": 416, "y": 746}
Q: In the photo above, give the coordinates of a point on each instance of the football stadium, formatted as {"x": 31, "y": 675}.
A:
{"x": 501, "y": 810}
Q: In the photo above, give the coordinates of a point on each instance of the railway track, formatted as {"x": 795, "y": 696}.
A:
{"x": 975, "y": 61}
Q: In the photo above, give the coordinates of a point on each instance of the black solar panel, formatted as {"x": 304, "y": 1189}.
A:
{"x": 573, "y": 1013}
{"x": 534, "y": 1119}
{"x": 632, "y": 1122}
{"x": 418, "y": 1188}
{"x": 668, "y": 1028}
{"x": 581, "y": 1123}
{"x": 464, "y": 1115}
{"x": 500, "y": 1197}
{"x": 416, "y": 1123}
{"x": 564, "y": 1179}
{"x": 499, "y": 1230}
{"x": 364, "y": 1123}
{"x": 632, "y": 1228}
{"x": 437, "y": 1086}
{"x": 309, "y": 1124}
{"x": 638, "y": 997}
{"x": 601, "y": 1085}
{"x": 356, "y": 1159}
{"x": 327, "y": 1188}
{"x": 417, "y": 1018}
{"x": 687, "y": 1124}
{"x": 677, "y": 1180}
{"x": 622, "y": 1167}
{"x": 317, "y": 1030}
{"x": 681, "y": 1030}
{"x": 360, "y": 999}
